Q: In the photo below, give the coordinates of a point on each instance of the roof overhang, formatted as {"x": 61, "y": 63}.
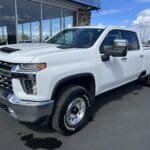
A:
{"x": 87, "y": 4}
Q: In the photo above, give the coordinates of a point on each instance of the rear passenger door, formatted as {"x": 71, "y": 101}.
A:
{"x": 134, "y": 58}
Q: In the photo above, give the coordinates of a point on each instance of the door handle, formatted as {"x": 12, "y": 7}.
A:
{"x": 124, "y": 58}
{"x": 141, "y": 56}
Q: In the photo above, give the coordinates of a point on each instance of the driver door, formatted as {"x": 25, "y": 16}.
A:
{"x": 113, "y": 72}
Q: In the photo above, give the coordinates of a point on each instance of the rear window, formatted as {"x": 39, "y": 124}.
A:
{"x": 131, "y": 37}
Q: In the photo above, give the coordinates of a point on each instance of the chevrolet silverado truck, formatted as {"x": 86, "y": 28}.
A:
{"x": 59, "y": 79}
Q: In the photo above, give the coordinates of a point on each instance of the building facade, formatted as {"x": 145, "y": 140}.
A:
{"x": 26, "y": 21}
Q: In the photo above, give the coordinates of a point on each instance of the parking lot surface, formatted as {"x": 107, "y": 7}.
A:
{"x": 121, "y": 122}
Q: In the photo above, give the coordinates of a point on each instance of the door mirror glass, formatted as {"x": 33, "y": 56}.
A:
{"x": 120, "y": 45}
{"x": 118, "y": 49}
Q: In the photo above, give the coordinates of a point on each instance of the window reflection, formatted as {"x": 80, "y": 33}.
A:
{"x": 28, "y": 21}
{"x": 51, "y": 20}
{"x": 55, "y": 26}
{"x": 46, "y": 29}
{"x": 7, "y": 22}
{"x": 68, "y": 18}
{"x": 26, "y": 33}
{"x": 30, "y": 27}
{"x": 35, "y": 31}
{"x": 20, "y": 32}
{"x": 3, "y": 35}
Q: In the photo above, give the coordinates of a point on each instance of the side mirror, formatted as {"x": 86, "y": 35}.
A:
{"x": 46, "y": 39}
{"x": 118, "y": 49}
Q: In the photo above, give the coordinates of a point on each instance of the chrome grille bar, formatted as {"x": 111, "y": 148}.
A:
{"x": 5, "y": 75}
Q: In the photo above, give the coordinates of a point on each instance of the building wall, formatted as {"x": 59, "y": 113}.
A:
{"x": 84, "y": 17}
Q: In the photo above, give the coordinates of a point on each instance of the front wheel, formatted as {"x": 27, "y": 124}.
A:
{"x": 72, "y": 110}
{"x": 147, "y": 80}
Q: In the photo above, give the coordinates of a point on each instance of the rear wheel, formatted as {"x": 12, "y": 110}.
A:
{"x": 72, "y": 110}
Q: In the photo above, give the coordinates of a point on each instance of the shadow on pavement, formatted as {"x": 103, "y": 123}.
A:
{"x": 49, "y": 143}
{"x": 116, "y": 95}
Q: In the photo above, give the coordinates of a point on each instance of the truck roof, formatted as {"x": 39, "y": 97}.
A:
{"x": 89, "y": 27}
{"x": 105, "y": 27}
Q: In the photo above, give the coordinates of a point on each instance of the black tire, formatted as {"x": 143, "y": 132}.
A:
{"x": 147, "y": 80}
{"x": 65, "y": 97}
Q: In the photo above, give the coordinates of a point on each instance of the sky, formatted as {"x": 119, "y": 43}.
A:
{"x": 119, "y": 12}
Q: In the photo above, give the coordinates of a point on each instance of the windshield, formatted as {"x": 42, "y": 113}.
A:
{"x": 76, "y": 38}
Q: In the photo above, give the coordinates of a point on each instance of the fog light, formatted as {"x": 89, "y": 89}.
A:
{"x": 12, "y": 113}
{"x": 13, "y": 99}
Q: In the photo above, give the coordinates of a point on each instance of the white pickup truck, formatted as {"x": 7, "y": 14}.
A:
{"x": 60, "y": 78}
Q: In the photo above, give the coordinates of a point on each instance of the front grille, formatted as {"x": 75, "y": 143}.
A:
{"x": 5, "y": 76}
{"x": 5, "y": 82}
{"x": 5, "y": 65}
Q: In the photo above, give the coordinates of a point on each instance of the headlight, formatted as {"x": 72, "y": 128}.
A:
{"x": 28, "y": 67}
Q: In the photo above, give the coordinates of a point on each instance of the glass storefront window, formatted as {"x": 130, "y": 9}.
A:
{"x": 68, "y": 22}
{"x": 20, "y": 32}
{"x": 29, "y": 15}
{"x": 26, "y": 32}
{"x": 35, "y": 31}
{"x": 68, "y": 18}
{"x": 51, "y": 20}
{"x": 28, "y": 24}
{"x": 7, "y": 21}
{"x": 56, "y": 26}
{"x": 3, "y": 35}
{"x": 4, "y": 32}
{"x": 46, "y": 29}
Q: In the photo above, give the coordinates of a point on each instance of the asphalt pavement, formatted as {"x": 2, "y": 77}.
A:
{"x": 121, "y": 122}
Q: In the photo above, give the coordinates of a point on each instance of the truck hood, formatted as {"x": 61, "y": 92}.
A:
{"x": 27, "y": 52}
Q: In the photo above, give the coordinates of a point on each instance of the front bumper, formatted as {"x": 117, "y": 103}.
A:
{"x": 26, "y": 111}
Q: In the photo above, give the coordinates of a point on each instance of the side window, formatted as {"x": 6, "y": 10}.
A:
{"x": 109, "y": 39}
{"x": 131, "y": 37}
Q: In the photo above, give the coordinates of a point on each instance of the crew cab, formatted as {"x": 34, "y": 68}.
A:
{"x": 60, "y": 78}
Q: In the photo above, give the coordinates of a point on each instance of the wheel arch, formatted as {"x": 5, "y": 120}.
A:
{"x": 87, "y": 80}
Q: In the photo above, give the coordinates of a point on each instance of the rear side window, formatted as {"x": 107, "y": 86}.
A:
{"x": 131, "y": 37}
